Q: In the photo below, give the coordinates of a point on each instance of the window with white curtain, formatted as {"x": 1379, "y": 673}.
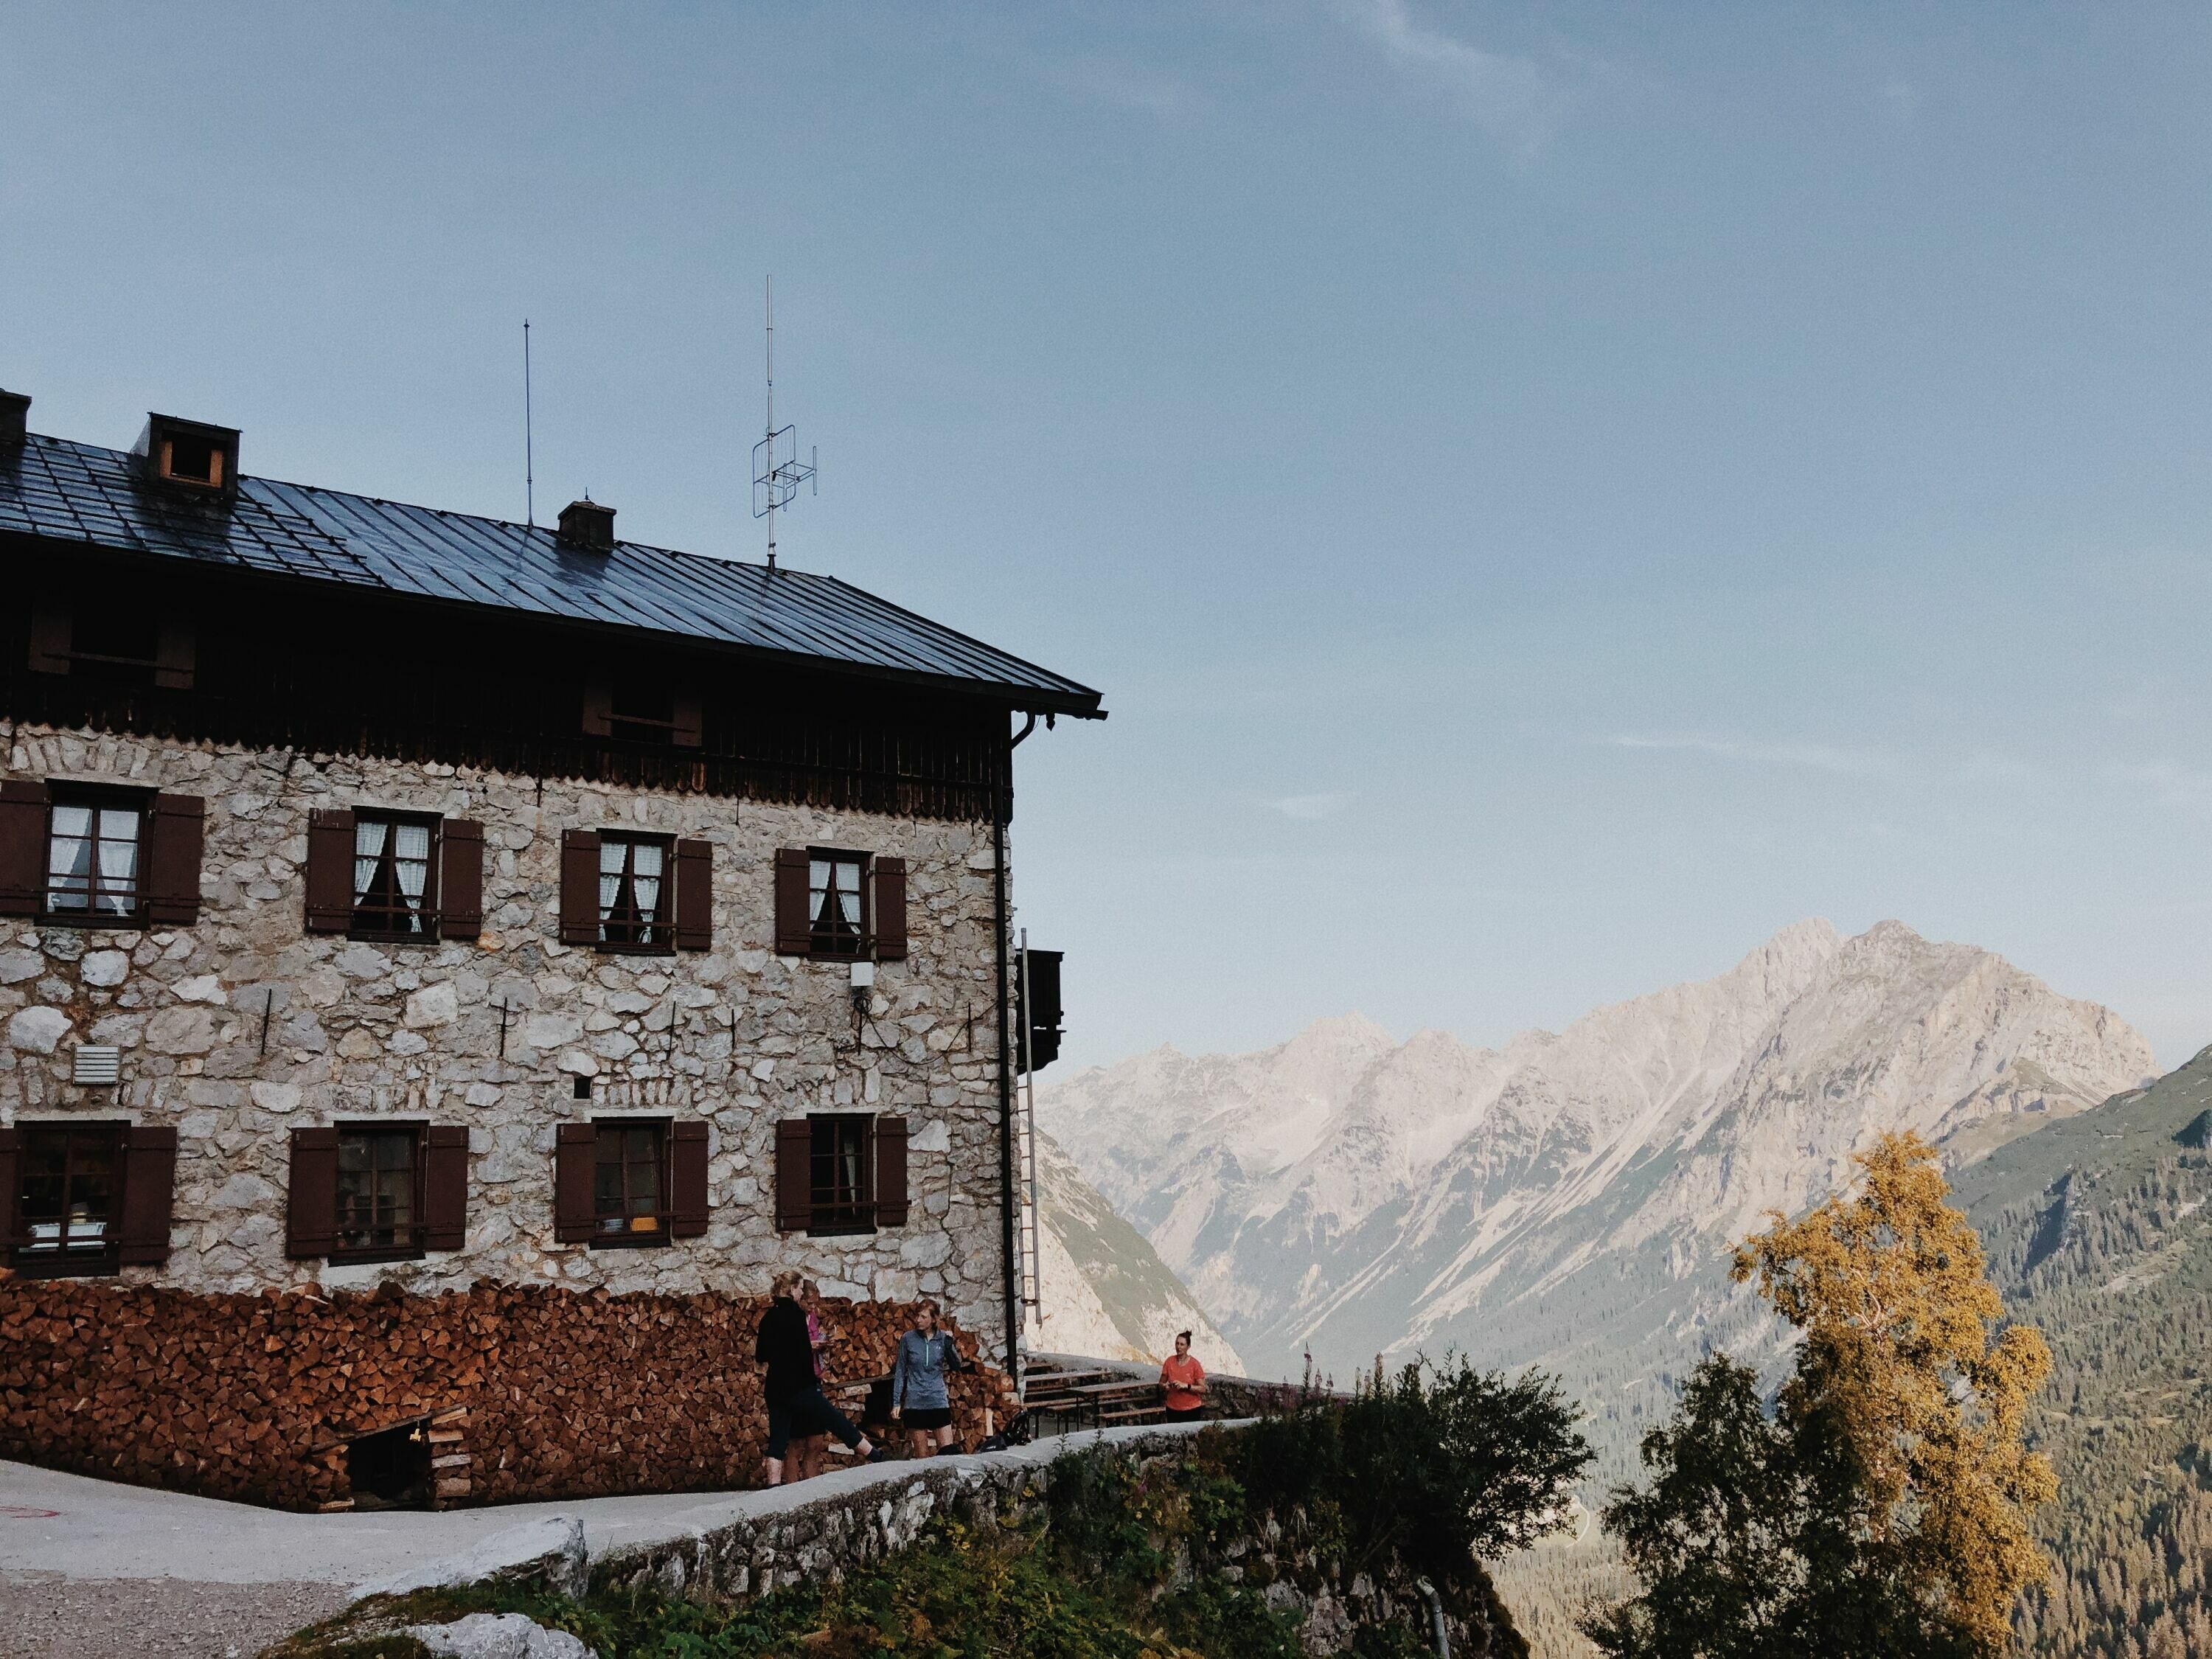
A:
{"x": 833, "y": 907}
{"x": 393, "y": 896}
{"x": 634, "y": 897}
{"x": 95, "y": 862}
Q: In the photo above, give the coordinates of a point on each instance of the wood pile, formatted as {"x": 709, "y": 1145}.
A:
{"x": 537, "y": 1393}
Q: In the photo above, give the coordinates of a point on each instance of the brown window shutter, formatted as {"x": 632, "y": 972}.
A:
{"x": 580, "y": 887}
{"x": 11, "y": 1142}
{"x": 695, "y": 895}
{"x": 598, "y": 709}
{"x": 311, "y": 1208}
{"x": 794, "y": 929}
{"x": 460, "y": 880}
{"x": 176, "y": 836}
{"x": 576, "y": 1151}
{"x": 23, "y": 847}
{"x": 174, "y": 657}
{"x": 794, "y": 1175}
{"x": 150, "y": 1188}
{"x": 890, "y": 876}
{"x": 690, "y": 728}
{"x": 51, "y": 637}
{"x": 687, "y": 1178}
{"x": 891, "y": 1172}
{"x": 330, "y": 873}
{"x": 445, "y": 1186}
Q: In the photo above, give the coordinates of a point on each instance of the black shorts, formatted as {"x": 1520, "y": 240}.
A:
{"x": 1183, "y": 1414}
{"x": 807, "y": 1412}
{"x": 932, "y": 1418}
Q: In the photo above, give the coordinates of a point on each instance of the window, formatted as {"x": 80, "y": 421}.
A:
{"x": 628, "y": 1183}
{"x": 393, "y": 858}
{"x": 835, "y": 917}
{"x": 633, "y": 892}
{"x": 94, "y": 867}
{"x": 192, "y": 458}
{"x": 641, "y": 713}
{"x": 69, "y": 1217}
{"x": 841, "y": 1172}
{"x": 838, "y": 1193}
{"x": 379, "y": 1192}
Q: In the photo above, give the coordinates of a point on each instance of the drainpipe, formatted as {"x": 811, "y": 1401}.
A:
{"x": 1004, "y": 810}
{"x": 1439, "y": 1637}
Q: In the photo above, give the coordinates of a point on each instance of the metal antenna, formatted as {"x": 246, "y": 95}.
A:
{"x": 529, "y": 465}
{"x": 777, "y": 470}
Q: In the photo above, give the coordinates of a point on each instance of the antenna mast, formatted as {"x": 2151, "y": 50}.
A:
{"x": 529, "y": 468}
{"x": 777, "y": 470}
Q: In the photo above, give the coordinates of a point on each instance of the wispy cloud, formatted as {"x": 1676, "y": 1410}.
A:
{"x": 1814, "y": 756}
{"x": 1507, "y": 95}
{"x": 1307, "y": 808}
{"x": 2183, "y": 788}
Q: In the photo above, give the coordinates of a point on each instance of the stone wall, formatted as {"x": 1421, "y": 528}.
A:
{"x": 533, "y": 1393}
{"x": 808, "y": 1536}
{"x": 735, "y": 1036}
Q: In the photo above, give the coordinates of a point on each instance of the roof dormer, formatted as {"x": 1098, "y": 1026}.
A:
{"x": 190, "y": 455}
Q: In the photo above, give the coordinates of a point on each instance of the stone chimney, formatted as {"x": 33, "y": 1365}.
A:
{"x": 14, "y": 418}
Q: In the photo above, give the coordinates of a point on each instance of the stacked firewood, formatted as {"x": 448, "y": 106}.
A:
{"x": 538, "y": 1393}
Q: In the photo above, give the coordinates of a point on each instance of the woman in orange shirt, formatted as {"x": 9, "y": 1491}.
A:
{"x": 1183, "y": 1383}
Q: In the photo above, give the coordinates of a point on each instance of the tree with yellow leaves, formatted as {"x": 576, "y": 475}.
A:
{"x": 1882, "y": 1508}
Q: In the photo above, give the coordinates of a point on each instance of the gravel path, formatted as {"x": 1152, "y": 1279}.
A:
{"x": 47, "y": 1615}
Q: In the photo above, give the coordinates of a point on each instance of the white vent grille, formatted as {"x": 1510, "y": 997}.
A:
{"x": 96, "y": 1063}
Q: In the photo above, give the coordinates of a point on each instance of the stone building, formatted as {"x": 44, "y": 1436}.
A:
{"x": 392, "y": 897}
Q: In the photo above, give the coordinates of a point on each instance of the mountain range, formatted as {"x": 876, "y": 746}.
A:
{"x": 1568, "y": 1199}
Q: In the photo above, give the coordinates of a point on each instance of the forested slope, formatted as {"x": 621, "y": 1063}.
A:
{"x": 2098, "y": 1232}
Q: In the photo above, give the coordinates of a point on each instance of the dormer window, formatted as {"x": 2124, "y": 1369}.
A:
{"x": 190, "y": 454}
{"x": 191, "y": 458}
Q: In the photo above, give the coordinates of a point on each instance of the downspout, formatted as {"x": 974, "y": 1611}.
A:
{"x": 1439, "y": 1637}
{"x": 1004, "y": 810}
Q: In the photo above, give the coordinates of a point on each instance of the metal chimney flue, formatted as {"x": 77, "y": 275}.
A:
{"x": 587, "y": 524}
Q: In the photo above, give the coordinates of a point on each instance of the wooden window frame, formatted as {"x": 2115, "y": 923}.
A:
{"x": 862, "y": 945}
{"x": 417, "y": 1245}
{"x": 830, "y": 1217}
{"x": 99, "y": 797}
{"x": 433, "y": 878}
{"x": 108, "y": 1261}
{"x": 629, "y": 1237}
{"x": 664, "y": 916}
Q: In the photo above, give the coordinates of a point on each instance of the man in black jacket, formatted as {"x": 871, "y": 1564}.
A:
{"x": 796, "y": 1404}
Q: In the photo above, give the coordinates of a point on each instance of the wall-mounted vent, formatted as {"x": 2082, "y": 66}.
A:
{"x": 190, "y": 455}
{"x": 588, "y": 524}
{"x": 95, "y": 1064}
{"x": 14, "y": 418}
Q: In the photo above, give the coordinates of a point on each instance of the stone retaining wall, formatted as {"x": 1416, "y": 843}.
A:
{"x": 861, "y": 1517}
{"x": 534, "y": 1392}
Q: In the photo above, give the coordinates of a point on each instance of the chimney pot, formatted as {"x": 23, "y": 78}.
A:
{"x": 14, "y": 417}
{"x": 588, "y": 524}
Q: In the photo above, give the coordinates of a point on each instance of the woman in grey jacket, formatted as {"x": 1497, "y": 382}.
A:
{"x": 918, "y": 1400}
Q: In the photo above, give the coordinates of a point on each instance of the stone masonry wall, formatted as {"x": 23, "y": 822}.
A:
{"x": 735, "y": 1036}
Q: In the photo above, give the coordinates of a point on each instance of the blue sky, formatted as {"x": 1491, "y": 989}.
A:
{"x": 1552, "y": 493}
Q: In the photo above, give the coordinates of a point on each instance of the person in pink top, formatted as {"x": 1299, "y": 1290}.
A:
{"x": 1183, "y": 1383}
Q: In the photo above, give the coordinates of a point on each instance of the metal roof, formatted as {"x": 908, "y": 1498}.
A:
{"x": 65, "y": 492}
